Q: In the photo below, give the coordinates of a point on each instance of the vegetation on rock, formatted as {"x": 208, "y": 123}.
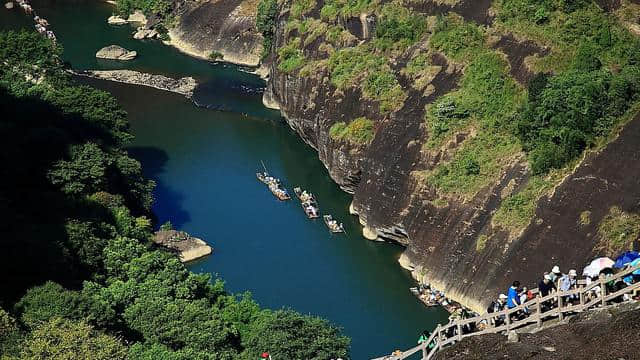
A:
{"x": 359, "y": 131}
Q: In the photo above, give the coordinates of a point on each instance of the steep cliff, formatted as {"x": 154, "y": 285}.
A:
{"x": 411, "y": 107}
{"x": 214, "y": 29}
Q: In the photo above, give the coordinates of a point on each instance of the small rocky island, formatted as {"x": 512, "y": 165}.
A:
{"x": 115, "y": 52}
{"x": 186, "y": 246}
{"x": 184, "y": 86}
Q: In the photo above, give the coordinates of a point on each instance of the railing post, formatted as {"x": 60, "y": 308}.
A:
{"x": 582, "y": 299}
{"x": 508, "y": 319}
{"x": 560, "y": 305}
{"x": 459, "y": 331}
{"x": 539, "y": 311}
{"x": 603, "y": 292}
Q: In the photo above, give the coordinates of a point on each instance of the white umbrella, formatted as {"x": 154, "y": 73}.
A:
{"x": 597, "y": 265}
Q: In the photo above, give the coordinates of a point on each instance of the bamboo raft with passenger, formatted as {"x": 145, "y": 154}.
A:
{"x": 308, "y": 203}
{"x": 333, "y": 225}
{"x": 274, "y": 186}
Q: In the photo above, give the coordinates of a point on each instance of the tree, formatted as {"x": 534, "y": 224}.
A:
{"x": 64, "y": 339}
{"x": 42, "y": 303}
{"x": 286, "y": 334}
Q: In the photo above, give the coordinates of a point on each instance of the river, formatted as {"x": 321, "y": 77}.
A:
{"x": 204, "y": 161}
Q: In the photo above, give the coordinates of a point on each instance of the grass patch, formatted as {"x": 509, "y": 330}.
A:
{"x": 585, "y": 218}
{"x": 334, "y": 9}
{"x": 517, "y": 210}
{"x": 618, "y": 231}
{"x": 398, "y": 27}
{"x": 421, "y": 71}
{"x": 479, "y": 163}
{"x": 301, "y": 7}
{"x": 481, "y": 242}
{"x": 563, "y": 30}
{"x": 457, "y": 39}
{"x": 290, "y": 56}
{"x": 369, "y": 71}
{"x": 359, "y": 131}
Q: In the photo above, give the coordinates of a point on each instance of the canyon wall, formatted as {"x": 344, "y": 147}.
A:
{"x": 442, "y": 234}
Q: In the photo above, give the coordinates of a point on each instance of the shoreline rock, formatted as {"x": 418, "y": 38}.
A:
{"x": 144, "y": 33}
{"x": 116, "y": 20}
{"x": 136, "y": 17}
{"x": 184, "y": 86}
{"x": 115, "y": 52}
{"x": 187, "y": 247}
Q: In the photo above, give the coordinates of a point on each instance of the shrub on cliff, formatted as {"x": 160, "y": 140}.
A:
{"x": 358, "y": 132}
{"x": 571, "y": 111}
{"x": 266, "y": 23}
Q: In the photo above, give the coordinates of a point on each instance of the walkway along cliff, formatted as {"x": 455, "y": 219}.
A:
{"x": 453, "y": 237}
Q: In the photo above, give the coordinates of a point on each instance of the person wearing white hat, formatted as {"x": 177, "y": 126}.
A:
{"x": 545, "y": 287}
{"x": 568, "y": 282}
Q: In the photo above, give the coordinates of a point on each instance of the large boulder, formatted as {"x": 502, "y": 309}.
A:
{"x": 186, "y": 246}
{"x": 115, "y": 52}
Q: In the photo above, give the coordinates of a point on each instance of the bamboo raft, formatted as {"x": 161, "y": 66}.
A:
{"x": 333, "y": 226}
{"x": 308, "y": 203}
{"x": 274, "y": 186}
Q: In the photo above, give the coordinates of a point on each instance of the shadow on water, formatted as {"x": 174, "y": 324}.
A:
{"x": 154, "y": 162}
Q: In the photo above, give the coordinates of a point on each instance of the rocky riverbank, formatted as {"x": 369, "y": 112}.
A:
{"x": 187, "y": 247}
{"x": 184, "y": 86}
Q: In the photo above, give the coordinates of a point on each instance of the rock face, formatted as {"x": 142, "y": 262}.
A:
{"x": 115, "y": 52}
{"x": 394, "y": 203}
{"x": 225, "y": 27}
{"x": 184, "y": 86}
{"x": 186, "y": 246}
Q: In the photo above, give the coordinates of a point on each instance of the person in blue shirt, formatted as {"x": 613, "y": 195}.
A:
{"x": 513, "y": 298}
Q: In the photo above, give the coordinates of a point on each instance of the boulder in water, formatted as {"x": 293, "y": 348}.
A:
{"x": 116, "y": 20}
{"x": 9, "y": 5}
{"x": 115, "y": 52}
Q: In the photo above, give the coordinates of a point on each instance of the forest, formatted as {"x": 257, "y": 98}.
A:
{"x": 81, "y": 278}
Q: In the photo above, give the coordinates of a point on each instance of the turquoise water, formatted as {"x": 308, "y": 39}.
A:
{"x": 204, "y": 162}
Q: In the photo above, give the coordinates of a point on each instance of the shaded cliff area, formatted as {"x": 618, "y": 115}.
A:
{"x": 415, "y": 108}
{"x": 217, "y": 30}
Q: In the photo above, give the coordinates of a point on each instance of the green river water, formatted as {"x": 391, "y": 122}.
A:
{"x": 204, "y": 161}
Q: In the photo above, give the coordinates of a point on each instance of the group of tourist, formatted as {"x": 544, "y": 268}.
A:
{"x": 551, "y": 282}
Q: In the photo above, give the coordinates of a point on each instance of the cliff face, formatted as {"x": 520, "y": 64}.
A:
{"x": 451, "y": 240}
{"x": 214, "y": 26}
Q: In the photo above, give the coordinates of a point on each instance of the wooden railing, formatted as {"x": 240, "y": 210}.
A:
{"x": 537, "y": 313}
